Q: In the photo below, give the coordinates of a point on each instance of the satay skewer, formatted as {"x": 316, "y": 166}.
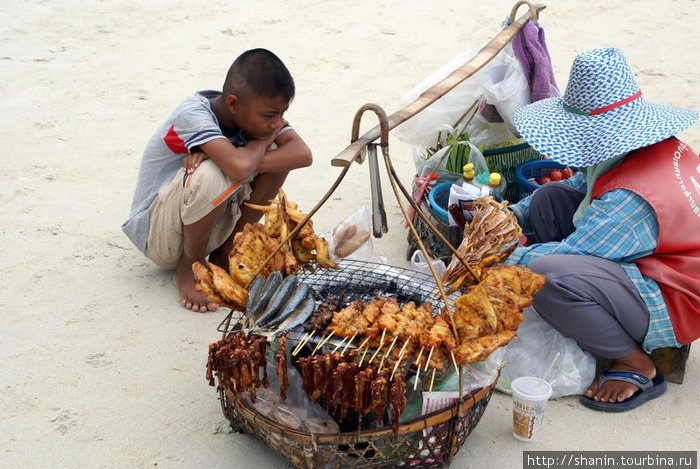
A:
{"x": 415, "y": 382}
{"x": 381, "y": 343}
{"x": 347, "y": 345}
{"x": 363, "y": 356}
{"x": 454, "y": 362}
{"x": 307, "y": 340}
{"x": 301, "y": 343}
{"x": 388, "y": 351}
{"x": 341, "y": 343}
{"x": 323, "y": 342}
{"x": 430, "y": 355}
{"x": 432, "y": 379}
{"x": 398, "y": 360}
{"x": 363, "y": 343}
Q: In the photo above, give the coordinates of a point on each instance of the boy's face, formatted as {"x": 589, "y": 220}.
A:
{"x": 259, "y": 117}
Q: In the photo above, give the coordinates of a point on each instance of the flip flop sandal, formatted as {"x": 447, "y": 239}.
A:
{"x": 648, "y": 389}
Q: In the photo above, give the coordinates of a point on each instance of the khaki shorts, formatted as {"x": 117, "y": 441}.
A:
{"x": 186, "y": 200}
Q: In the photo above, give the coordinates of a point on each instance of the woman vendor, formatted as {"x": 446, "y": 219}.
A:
{"x": 619, "y": 242}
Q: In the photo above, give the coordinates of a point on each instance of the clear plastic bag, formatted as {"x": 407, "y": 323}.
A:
{"x": 431, "y": 165}
{"x": 492, "y": 82}
{"x": 534, "y": 350}
{"x": 351, "y": 239}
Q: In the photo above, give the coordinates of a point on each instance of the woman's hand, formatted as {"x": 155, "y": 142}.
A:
{"x": 193, "y": 160}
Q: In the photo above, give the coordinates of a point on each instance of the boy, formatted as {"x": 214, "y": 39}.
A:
{"x": 215, "y": 151}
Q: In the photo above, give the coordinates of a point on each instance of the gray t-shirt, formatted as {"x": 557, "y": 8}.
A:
{"x": 193, "y": 123}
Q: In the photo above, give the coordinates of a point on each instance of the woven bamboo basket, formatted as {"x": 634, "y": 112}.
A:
{"x": 425, "y": 442}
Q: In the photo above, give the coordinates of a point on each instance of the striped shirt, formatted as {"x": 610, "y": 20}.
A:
{"x": 620, "y": 226}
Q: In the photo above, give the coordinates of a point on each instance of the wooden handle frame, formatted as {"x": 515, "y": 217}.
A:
{"x": 355, "y": 152}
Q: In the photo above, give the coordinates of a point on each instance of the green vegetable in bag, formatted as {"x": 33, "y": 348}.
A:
{"x": 459, "y": 155}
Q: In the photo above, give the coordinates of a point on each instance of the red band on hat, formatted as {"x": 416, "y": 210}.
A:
{"x": 612, "y": 106}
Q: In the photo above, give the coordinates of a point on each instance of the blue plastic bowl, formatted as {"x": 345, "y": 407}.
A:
{"x": 534, "y": 169}
{"x": 438, "y": 197}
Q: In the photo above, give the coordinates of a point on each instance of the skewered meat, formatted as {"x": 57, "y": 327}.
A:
{"x": 397, "y": 398}
{"x": 281, "y": 358}
{"x": 323, "y": 314}
{"x": 236, "y": 361}
{"x": 366, "y": 389}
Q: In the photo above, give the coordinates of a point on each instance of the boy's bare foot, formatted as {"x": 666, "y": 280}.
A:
{"x": 190, "y": 298}
{"x": 617, "y": 391}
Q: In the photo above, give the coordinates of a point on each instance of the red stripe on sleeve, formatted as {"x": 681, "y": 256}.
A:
{"x": 174, "y": 142}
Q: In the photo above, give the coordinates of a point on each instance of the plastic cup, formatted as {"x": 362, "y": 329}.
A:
{"x": 529, "y": 401}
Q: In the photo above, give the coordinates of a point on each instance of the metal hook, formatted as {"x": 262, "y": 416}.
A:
{"x": 379, "y": 220}
{"x": 533, "y": 10}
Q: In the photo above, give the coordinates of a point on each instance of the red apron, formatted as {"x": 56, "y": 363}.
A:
{"x": 667, "y": 176}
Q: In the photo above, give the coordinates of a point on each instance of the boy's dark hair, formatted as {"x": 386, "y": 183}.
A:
{"x": 259, "y": 72}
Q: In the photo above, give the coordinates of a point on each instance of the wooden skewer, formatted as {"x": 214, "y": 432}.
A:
{"x": 454, "y": 362}
{"x": 415, "y": 382}
{"x": 307, "y": 339}
{"x": 420, "y": 354}
{"x": 432, "y": 379}
{"x": 430, "y": 355}
{"x": 347, "y": 345}
{"x": 322, "y": 342}
{"x": 341, "y": 343}
{"x": 387, "y": 352}
{"x": 363, "y": 343}
{"x": 300, "y": 344}
{"x": 398, "y": 360}
{"x": 363, "y": 356}
{"x": 381, "y": 342}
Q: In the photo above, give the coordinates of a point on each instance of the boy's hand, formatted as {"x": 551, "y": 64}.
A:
{"x": 193, "y": 160}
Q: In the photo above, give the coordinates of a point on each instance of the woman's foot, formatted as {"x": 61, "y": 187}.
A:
{"x": 190, "y": 298}
{"x": 618, "y": 391}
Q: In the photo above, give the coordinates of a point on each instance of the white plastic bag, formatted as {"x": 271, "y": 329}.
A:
{"x": 534, "y": 350}
{"x": 506, "y": 87}
{"x": 421, "y": 130}
{"x": 419, "y": 264}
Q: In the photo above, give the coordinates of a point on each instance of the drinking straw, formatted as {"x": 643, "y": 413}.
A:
{"x": 546, "y": 373}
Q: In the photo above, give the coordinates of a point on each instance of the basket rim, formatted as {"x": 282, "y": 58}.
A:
{"x": 434, "y": 206}
{"x": 533, "y": 164}
{"x": 508, "y": 149}
{"x": 410, "y": 426}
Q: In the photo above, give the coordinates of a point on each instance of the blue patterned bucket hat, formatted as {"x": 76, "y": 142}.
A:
{"x": 601, "y": 115}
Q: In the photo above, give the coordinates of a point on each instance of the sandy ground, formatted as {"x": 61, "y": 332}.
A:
{"x": 101, "y": 366}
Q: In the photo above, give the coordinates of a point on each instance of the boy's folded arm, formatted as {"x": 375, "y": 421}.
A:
{"x": 291, "y": 153}
{"x": 238, "y": 163}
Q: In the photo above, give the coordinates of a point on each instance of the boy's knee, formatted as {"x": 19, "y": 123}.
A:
{"x": 207, "y": 173}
